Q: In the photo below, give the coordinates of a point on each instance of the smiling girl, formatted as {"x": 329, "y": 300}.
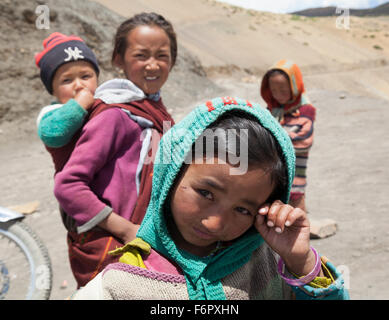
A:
{"x": 102, "y": 180}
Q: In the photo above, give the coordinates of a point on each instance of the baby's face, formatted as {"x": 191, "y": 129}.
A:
{"x": 210, "y": 205}
{"x": 72, "y": 77}
{"x": 280, "y": 88}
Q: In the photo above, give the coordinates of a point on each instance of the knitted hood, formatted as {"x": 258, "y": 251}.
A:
{"x": 203, "y": 274}
{"x": 299, "y": 96}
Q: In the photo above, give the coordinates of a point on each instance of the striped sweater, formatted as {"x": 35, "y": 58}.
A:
{"x": 297, "y": 118}
{"x": 299, "y": 126}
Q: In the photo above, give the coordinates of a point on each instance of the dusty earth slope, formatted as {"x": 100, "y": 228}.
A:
{"x": 225, "y": 50}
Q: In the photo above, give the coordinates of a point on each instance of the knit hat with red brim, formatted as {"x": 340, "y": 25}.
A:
{"x": 58, "y": 50}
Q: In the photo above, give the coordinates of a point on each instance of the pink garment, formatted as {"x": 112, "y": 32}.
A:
{"x": 101, "y": 172}
{"x": 158, "y": 263}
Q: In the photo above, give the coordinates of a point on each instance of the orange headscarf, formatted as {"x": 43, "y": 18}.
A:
{"x": 299, "y": 97}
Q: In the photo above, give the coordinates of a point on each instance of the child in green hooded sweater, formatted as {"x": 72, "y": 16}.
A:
{"x": 218, "y": 225}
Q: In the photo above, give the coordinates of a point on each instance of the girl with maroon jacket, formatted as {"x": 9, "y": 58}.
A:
{"x": 103, "y": 171}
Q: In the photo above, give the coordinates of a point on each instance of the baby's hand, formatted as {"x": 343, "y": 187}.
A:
{"x": 84, "y": 98}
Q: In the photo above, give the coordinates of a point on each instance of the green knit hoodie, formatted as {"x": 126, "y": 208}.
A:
{"x": 203, "y": 274}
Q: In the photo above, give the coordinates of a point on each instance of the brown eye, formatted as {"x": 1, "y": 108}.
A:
{"x": 243, "y": 211}
{"x": 164, "y": 56}
{"x": 140, "y": 56}
{"x": 205, "y": 194}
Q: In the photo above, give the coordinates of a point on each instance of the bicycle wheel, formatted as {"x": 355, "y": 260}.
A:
{"x": 25, "y": 266}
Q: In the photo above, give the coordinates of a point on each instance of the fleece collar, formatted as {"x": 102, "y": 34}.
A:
{"x": 122, "y": 91}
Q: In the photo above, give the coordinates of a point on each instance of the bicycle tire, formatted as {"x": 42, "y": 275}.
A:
{"x": 37, "y": 255}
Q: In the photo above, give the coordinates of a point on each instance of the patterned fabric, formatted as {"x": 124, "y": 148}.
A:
{"x": 299, "y": 126}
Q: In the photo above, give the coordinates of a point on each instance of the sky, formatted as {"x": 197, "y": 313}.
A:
{"x": 286, "y": 6}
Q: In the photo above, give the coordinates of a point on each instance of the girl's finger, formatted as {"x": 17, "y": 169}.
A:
{"x": 264, "y": 209}
{"x": 281, "y": 217}
{"x": 294, "y": 215}
{"x": 272, "y": 213}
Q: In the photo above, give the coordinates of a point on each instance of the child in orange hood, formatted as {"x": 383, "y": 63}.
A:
{"x": 283, "y": 90}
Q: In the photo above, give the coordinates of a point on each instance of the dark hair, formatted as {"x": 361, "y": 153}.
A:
{"x": 262, "y": 148}
{"x": 143, "y": 19}
{"x": 273, "y": 72}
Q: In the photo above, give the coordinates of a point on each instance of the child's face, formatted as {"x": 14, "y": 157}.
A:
{"x": 280, "y": 88}
{"x": 147, "y": 60}
{"x": 73, "y": 77}
{"x": 210, "y": 205}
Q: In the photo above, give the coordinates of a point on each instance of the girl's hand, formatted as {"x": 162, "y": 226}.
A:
{"x": 287, "y": 230}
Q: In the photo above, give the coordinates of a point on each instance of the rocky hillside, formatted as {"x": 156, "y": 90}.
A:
{"x": 233, "y": 42}
{"x": 215, "y": 40}
{"x": 21, "y": 89}
{"x": 380, "y": 10}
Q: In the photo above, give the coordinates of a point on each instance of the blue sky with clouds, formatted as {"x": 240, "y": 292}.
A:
{"x": 285, "y": 6}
